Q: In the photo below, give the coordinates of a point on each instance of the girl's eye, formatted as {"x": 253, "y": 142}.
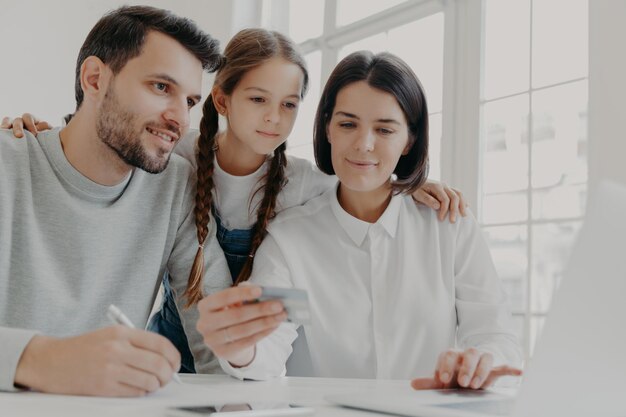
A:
{"x": 190, "y": 103}
{"x": 291, "y": 105}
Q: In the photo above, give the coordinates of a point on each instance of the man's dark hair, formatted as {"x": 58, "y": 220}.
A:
{"x": 120, "y": 35}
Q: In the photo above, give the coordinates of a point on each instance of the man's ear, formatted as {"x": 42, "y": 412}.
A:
{"x": 219, "y": 100}
{"x": 94, "y": 76}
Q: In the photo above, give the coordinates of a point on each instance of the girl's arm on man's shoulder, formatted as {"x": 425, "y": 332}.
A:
{"x": 27, "y": 121}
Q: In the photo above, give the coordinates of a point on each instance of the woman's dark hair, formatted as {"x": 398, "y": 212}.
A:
{"x": 388, "y": 73}
{"x": 247, "y": 50}
{"x": 119, "y": 36}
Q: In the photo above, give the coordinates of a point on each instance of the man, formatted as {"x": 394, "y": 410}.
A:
{"x": 82, "y": 228}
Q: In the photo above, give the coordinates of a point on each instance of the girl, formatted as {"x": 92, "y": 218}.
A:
{"x": 392, "y": 290}
{"x": 244, "y": 176}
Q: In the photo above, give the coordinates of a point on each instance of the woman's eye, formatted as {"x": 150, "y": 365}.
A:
{"x": 258, "y": 99}
{"x": 290, "y": 105}
{"x": 160, "y": 86}
{"x": 347, "y": 125}
{"x": 190, "y": 103}
{"x": 385, "y": 131}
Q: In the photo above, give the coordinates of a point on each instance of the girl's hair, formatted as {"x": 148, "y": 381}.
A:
{"x": 388, "y": 73}
{"x": 247, "y": 50}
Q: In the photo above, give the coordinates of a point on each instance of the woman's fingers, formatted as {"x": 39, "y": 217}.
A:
{"x": 500, "y": 371}
{"x": 481, "y": 373}
{"x": 236, "y": 347}
{"x": 229, "y": 334}
{"x": 245, "y": 313}
{"x": 468, "y": 369}
{"x": 229, "y": 297}
{"x": 232, "y": 321}
{"x": 447, "y": 367}
{"x": 426, "y": 383}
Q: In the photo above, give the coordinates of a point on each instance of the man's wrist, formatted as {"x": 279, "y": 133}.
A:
{"x": 27, "y": 373}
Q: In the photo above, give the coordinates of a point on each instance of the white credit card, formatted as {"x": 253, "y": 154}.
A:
{"x": 295, "y": 301}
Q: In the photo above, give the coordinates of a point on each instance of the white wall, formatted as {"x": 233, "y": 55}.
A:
{"x": 607, "y": 90}
{"x": 40, "y": 40}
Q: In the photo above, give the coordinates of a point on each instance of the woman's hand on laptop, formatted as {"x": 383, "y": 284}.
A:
{"x": 232, "y": 322}
{"x": 28, "y": 121}
{"x": 471, "y": 369}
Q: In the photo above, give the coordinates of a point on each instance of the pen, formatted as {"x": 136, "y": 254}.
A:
{"x": 116, "y": 316}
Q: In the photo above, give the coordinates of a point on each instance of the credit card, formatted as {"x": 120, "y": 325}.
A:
{"x": 295, "y": 301}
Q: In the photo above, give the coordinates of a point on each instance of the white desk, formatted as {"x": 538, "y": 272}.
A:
{"x": 205, "y": 389}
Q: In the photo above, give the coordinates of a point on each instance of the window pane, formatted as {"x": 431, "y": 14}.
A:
{"x": 420, "y": 44}
{"x": 551, "y": 249}
{"x": 376, "y": 43}
{"x": 518, "y": 327}
{"x": 507, "y": 47}
{"x": 434, "y": 146}
{"x": 559, "y": 202}
{"x": 349, "y": 11}
{"x": 559, "y": 153}
{"x": 504, "y": 143}
{"x": 505, "y": 208}
{"x": 306, "y": 19}
{"x": 536, "y": 327}
{"x": 508, "y": 246}
{"x": 560, "y": 40}
{"x": 302, "y": 133}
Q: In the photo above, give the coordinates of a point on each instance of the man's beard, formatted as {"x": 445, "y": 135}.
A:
{"x": 115, "y": 128}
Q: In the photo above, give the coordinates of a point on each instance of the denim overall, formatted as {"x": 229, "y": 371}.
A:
{"x": 236, "y": 246}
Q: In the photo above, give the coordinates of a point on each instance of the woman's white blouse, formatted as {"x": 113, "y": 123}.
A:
{"x": 386, "y": 298}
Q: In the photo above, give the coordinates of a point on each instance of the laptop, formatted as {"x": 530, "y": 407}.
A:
{"x": 579, "y": 364}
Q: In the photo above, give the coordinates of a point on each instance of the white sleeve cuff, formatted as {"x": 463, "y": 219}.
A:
{"x": 270, "y": 358}
{"x": 12, "y": 345}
